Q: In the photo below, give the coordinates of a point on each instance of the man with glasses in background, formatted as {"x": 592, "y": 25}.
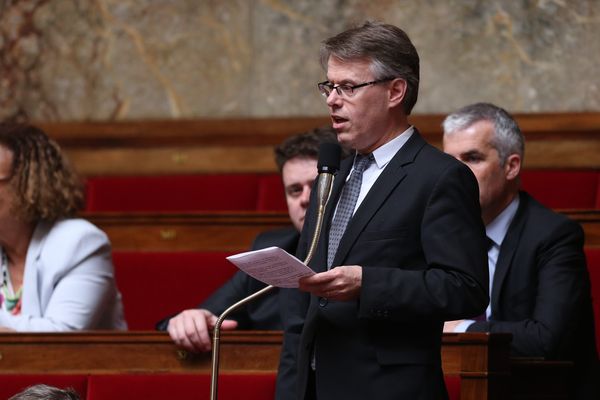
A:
{"x": 403, "y": 245}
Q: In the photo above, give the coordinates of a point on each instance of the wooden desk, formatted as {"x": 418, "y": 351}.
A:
{"x": 229, "y": 231}
{"x": 590, "y": 222}
{"x": 554, "y": 140}
{"x": 214, "y": 231}
{"x": 141, "y": 351}
{"x": 481, "y": 360}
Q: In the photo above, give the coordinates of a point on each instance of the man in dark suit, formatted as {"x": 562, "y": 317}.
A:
{"x": 296, "y": 159}
{"x": 540, "y": 289}
{"x": 369, "y": 323}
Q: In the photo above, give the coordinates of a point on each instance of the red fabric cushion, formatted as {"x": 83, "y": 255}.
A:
{"x": 11, "y": 384}
{"x": 180, "y": 386}
{"x": 173, "y": 193}
{"x": 562, "y": 189}
{"x": 593, "y": 264}
{"x": 598, "y": 192}
{"x": 453, "y": 386}
{"x": 157, "y": 285}
{"x": 271, "y": 196}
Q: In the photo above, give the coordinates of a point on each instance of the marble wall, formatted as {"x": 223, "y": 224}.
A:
{"x": 63, "y": 60}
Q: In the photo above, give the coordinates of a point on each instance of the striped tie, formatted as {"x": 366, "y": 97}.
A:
{"x": 345, "y": 207}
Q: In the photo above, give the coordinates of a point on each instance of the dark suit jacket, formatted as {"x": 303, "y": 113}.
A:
{"x": 541, "y": 288}
{"x": 419, "y": 237}
{"x": 262, "y": 313}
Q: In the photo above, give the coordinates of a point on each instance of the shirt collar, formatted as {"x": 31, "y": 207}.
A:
{"x": 497, "y": 229}
{"x": 383, "y": 154}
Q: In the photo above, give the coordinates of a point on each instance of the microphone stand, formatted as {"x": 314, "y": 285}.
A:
{"x": 324, "y": 186}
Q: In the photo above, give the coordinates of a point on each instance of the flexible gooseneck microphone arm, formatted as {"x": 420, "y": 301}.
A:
{"x": 328, "y": 165}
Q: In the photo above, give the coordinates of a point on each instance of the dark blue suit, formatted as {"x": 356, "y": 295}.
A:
{"x": 419, "y": 237}
{"x": 541, "y": 292}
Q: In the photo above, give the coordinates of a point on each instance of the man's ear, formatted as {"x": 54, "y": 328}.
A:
{"x": 397, "y": 92}
{"x": 512, "y": 167}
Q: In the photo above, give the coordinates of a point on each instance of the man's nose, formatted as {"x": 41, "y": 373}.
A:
{"x": 334, "y": 98}
{"x": 305, "y": 197}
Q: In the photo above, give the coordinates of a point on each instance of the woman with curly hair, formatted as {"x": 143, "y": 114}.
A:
{"x": 56, "y": 272}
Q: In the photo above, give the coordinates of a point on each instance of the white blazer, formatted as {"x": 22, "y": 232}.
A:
{"x": 68, "y": 282}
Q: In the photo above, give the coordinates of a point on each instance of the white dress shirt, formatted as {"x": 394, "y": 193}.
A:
{"x": 382, "y": 155}
{"x": 496, "y": 232}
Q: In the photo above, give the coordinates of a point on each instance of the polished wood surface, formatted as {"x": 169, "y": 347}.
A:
{"x": 120, "y": 352}
{"x": 480, "y": 359}
{"x": 560, "y": 140}
{"x": 229, "y": 231}
{"x": 214, "y": 231}
{"x": 474, "y": 354}
{"x": 590, "y": 222}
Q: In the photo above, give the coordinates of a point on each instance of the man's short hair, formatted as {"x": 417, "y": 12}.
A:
{"x": 304, "y": 145}
{"x": 389, "y": 49}
{"x": 45, "y": 392}
{"x": 508, "y": 138}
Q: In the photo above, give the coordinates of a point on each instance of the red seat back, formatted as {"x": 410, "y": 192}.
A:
{"x": 453, "y": 386}
{"x": 173, "y": 193}
{"x": 156, "y": 285}
{"x": 271, "y": 196}
{"x": 562, "y": 189}
{"x": 598, "y": 192}
{"x": 11, "y": 384}
{"x": 180, "y": 386}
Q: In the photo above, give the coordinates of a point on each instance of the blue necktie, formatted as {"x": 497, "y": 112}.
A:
{"x": 345, "y": 207}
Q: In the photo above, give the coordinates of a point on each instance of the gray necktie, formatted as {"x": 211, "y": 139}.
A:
{"x": 345, "y": 207}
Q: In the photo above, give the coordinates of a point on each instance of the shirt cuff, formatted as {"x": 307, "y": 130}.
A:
{"x": 462, "y": 327}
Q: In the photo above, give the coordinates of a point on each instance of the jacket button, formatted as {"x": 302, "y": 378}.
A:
{"x": 323, "y": 301}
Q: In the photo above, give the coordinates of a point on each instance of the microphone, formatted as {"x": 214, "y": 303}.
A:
{"x": 329, "y": 158}
{"x": 327, "y": 165}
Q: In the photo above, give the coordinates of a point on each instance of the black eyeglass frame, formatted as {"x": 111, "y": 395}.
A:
{"x": 326, "y": 87}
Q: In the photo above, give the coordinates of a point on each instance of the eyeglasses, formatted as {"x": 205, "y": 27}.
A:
{"x": 345, "y": 90}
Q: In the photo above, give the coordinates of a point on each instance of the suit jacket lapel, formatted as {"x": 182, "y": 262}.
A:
{"x": 391, "y": 176}
{"x": 31, "y": 302}
{"x": 507, "y": 252}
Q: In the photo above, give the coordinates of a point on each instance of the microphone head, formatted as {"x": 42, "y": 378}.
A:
{"x": 329, "y": 158}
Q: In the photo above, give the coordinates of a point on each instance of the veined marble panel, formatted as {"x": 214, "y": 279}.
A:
{"x": 155, "y": 59}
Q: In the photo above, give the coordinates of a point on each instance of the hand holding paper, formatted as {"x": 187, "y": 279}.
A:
{"x": 272, "y": 266}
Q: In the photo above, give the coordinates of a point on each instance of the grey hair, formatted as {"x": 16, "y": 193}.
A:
{"x": 508, "y": 138}
{"x": 45, "y": 392}
{"x": 389, "y": 49}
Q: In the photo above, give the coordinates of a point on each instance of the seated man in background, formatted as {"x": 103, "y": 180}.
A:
{"x": 539, "y": 284}
{"x": 296, "y": 159}
{"x": 57, "y": 272}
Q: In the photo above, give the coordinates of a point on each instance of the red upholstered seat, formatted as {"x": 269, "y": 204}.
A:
{"x": 173, "y": 193}
{"x": 156, "y": 285}
{"x": 563, "y": 189}
{"x": 593, "y": 263}
{"x": 271, "y": 196}
{"x": 598, "y": 192}
{"x": 453, "y": 386}
{"x": 180, "y": 386}
{"x": 11, "y": 384}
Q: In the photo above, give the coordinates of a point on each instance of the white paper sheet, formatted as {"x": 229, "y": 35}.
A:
{"x": 273, "y": 266}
